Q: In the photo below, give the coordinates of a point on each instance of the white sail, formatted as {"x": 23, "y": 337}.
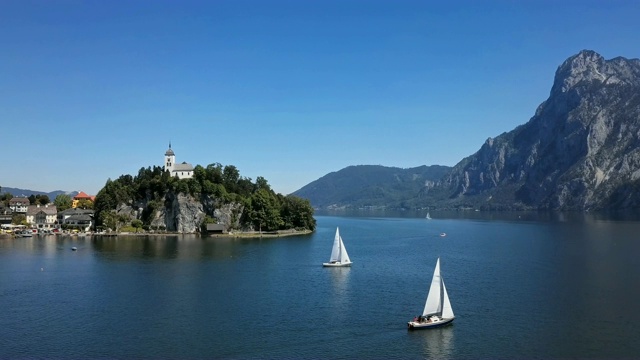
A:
{"x": 344, "y": 257}
{"x": 447, "y": 310}
{"x": 433, "y": 305}
{"x": 335, "y": 251}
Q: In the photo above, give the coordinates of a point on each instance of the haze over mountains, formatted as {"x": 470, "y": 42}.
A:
{"x": 580, "y": 151}
{"x": 25, "y": 192}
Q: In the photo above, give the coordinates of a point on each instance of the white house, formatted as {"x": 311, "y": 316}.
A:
{"x": 19, "y": 204}
{"x": 42, "y": 217}
{"x": 182, "y": 171}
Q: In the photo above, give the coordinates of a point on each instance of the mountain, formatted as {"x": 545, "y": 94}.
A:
{"x": 371, "y": 186}
{"x": 580, "y": 151}
{"x": 23, "y": 192}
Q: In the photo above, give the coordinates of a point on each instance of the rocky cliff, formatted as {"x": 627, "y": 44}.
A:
{"x": 580, "y": 151}
{"x": 184, "y": 213}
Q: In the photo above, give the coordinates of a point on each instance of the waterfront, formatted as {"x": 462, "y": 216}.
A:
{"x": 533, "y": 287}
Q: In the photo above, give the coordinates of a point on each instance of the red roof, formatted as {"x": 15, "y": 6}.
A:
{"x": 82, "y": 195}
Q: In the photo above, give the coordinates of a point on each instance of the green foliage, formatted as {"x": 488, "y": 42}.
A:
{"x": 207, "y": 220}
{"x": 19, "y": 219}
{"x": 136, "y": 224}
{"x": 263, "y": 208}
{"x": 84, "y": 204}
{"x": 63, "y": 202}
{"x": 39, "y": 199}
{"x": 4, "y": 198}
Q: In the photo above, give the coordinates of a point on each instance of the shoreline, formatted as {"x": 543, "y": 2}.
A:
{"x": 241, "y": 234}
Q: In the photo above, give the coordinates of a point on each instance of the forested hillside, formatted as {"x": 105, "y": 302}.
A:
{"x": 149, "y": 194}
{"x": 372, "y": 186}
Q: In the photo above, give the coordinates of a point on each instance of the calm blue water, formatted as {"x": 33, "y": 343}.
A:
{"x": 520, "y": 287}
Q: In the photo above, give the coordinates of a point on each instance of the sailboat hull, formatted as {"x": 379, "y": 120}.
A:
{"x": 414, "y": 325}
{"x": 337, "y": 264}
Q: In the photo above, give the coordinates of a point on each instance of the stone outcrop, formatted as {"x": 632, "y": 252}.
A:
{"x": 580, "y": 151}
{"x": 184, "y": 213}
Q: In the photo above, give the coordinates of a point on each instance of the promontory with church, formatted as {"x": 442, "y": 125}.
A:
{"x": 178, "y": 197}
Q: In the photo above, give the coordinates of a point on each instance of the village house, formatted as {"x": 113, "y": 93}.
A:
{"x": 82, "y": 196}
{"x": 19, "y": 204}
{"x": 42, "y": 216}
{"x": 5, "y": 215}
{"x": 76, "y": 217}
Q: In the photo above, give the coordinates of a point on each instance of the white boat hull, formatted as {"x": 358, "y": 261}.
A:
{"x": 428, "y": 325}
{"x": 337, "y": 264}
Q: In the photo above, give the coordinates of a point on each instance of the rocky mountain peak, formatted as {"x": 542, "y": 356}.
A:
{"x": 581, "y": 149}
{"x": 588, "y": 67}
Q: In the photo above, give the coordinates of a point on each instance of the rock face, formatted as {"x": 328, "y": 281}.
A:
{"x": 580, "y": 151}
{"x": 184, "y": 214}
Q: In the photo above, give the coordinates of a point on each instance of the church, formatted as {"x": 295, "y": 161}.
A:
{"x": 182, "y": 171}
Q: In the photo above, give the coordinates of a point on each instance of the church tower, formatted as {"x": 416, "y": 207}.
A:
{"x": 169, "y": 160}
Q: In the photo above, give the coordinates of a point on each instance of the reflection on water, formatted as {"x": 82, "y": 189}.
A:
{"x": 179, "y": 247}
{"x": 340, "y": 291}
{"x": 437, "y": 343}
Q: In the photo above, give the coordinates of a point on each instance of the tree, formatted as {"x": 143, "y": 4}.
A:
{"x": 137, "y": 224}
{"x": 261, "y": 183}
{"x": 63, "y": 202}
{"x": 84, "y": 204}
{"x": 42, "y": 199}
{"x": 19, "y": 219}
{"x": 5, "y": 199}
{"x": 265, "y": 211}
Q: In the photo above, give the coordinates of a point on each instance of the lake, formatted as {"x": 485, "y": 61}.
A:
{"x": 521, "y": 285}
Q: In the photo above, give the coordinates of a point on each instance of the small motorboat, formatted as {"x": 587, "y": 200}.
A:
{"x": 74, "y": 248}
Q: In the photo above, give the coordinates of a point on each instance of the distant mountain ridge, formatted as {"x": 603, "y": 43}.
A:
{"x": 580, "y": 151}
{"x": 24, "y": 192}
{"x": 371, "y": 186}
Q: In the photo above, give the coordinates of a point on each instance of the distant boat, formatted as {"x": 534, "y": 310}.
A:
{"x": 339, "y": 256}
{"x": 74, "y": 248}
{"x": 443, "y": 234}
{"x": 437, "y": 309}
{"x": 428, "y": 217}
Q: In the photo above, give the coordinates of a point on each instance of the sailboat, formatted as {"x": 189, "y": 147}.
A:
{"x": 339, "y": 256}
{"x": 437, "y": 309}
{"x": 428, "y": 217}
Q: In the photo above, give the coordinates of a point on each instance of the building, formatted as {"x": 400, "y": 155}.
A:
{"x": 72, "y": 216}
{"x": 182, "y": 171}
{"x": 82, "y": 196}
{"x": 19, "y": 204}
{"x": 5, "y": 215}
{"x": 42, "y": 216}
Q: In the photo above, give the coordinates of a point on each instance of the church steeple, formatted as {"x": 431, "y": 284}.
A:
{"x": 169, "y": 159}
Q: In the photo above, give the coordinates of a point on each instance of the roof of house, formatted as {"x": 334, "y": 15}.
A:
{"x": 78, "y": 217}
{"x": 82, "y": 195}
{"x": 16, "y": 200}
{"x": 47, "y": 209}
{"x": 75, "y": 211}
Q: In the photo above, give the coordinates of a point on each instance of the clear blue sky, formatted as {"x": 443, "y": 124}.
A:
{"x": 287, "y": 90}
